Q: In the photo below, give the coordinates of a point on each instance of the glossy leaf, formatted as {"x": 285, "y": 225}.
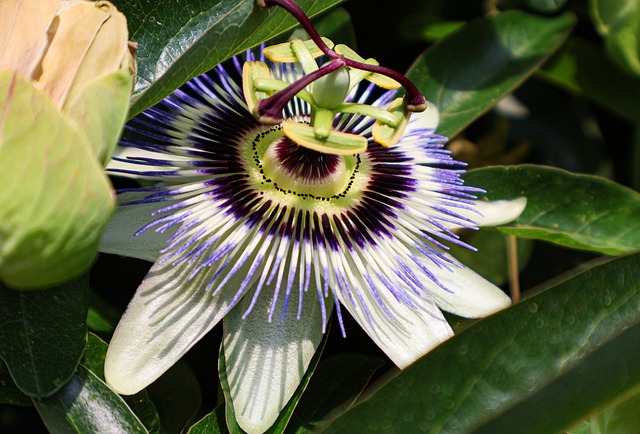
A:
{"x": 618, "y": 21}
{"x": 578, "y": 211}
{"x": 582, "y": 67}
{"x": 336, "y": 384}
{"x": 540, "y": 366}
{"x": 139, "y": 403}
{"x": 213, "y": 423}
{"x": 43, "y": 335}
{"x": 87, "y": 405}
{"x": 467, "y": 73}
{"x": 180, "y": 40}
{"x": 55, "y": 199}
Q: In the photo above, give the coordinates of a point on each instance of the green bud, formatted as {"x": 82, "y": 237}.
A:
{"x": 331, "y": 90}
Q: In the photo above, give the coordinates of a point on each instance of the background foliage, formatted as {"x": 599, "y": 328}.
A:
{"x": 540, "y": 97}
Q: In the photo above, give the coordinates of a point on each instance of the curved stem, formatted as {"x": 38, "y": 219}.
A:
{"x": 414, "y": 99}
{"x": 294, "y": 9}
{"x": 269, "y": 110}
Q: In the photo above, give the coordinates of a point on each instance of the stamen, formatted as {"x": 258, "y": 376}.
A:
{"x": 269, "y": 111}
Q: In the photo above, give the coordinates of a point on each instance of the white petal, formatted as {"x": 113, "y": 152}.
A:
{"x": 132, "y": 153}
{"x": 428, "y": 119}
{"x": 167, "y": 316}
{"x": 493, "y": 212}
{"x": 265, "y": 361}
{"x": 470, "y": 295}
{"x": 409, "y": 333}
{"x": 119, "y": 237}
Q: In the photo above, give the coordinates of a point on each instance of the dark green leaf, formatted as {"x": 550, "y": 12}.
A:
{"x": 337, "y": 26}
{"x": 180, "y": 40}
{"x": 335, "y": 385}
{"x": 139, "y": 403}
{"x": 213, "y": 423}
{"x": 539, "y": 367}
{"x": 9, "y": 392}
{"x": 581, "y": 66}
{"x": 176, "y": 395}
{"x": 467, "y": 73}
{"x": 43, "y": 335}
{"x": 578, "y": 211}
{"x": 87, "y": 405}
{"x": 102, "y": 317}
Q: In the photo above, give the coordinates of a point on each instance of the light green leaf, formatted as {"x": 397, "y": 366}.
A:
{"x": 618, "y": 21}
{"x": 578, "y": 211}
{"x": 541, "y": 366}
{"x": 180, "y": 40}
{"x": 43, "y": 335}
{"x": 467, "y": 73}
{"x": 55, "y": 199}
{"x": 582, "y": 67}
{"x": 87, "y": 405}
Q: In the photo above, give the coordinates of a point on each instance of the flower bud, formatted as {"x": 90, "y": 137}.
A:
{"x": 66, "y": 74}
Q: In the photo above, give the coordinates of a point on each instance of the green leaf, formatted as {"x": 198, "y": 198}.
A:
{"x": 87, "y": 405}
{"x": 582, "y": 67}
{"x": 622, "y": 418}
{"x": 618, "y": 21}
{"x": 335, "y": 384}
{"x": 177, "y": 397}
{"x": 539, "y": 367}
{"x": 139, "y": 403}
{"x": 180, "y": 40}
{"x": 578, "y": 211}
{"x": 213, "y": 423}
{"x": 55, "y": 199}
{"x": 43, "y": 335}
{"x": 467, "y": 73}
{"x": 9, "y": 392}
{"x": 337, "y": 26}
{"x": 102, "y": 317}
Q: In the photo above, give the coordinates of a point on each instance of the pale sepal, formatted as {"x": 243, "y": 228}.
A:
{"x": 265, "y": 361}
{"x": 123, "y": 237}
{"x": 168, "y": 314}
{"x": 468, "y": 294}
{"x": 407, "y": 332}
{"x": 492, "y": 212}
